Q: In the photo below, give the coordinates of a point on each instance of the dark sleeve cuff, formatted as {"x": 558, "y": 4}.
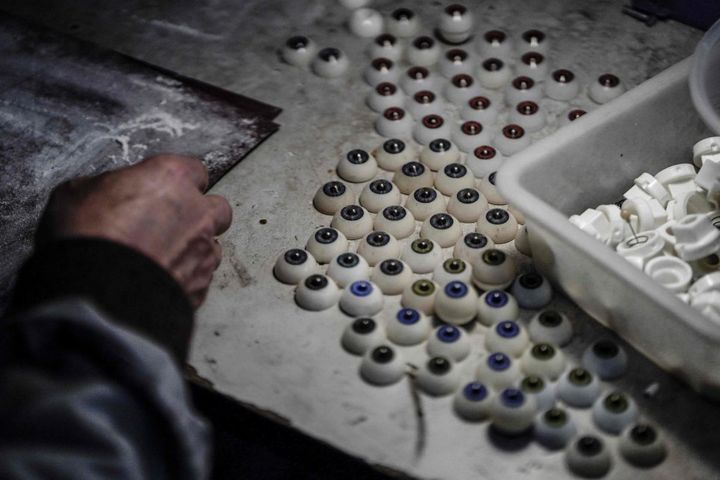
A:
{"x": 134, "y": 290}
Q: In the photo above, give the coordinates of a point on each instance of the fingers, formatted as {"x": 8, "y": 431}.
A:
{"x": 189, "y": 168}
{"x": 220, "y": 212}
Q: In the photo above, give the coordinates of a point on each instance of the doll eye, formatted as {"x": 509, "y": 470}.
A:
{"x": 588, "y": 457}
{"x": 392, "y": 276}
{"x": 382, "y": 365}
{"x": 642, "y": 445}
{"x": 353, "y": 221}
{"x": 607, "y": 87}
{"x": 507, "y": 337}
{"x": 294, "y": 266}
{"x": 317, "y": 292}
{"x": 495, "y": 306}
{"x": 409, "y": 327}
{"x": 362, "y": 334}
{"x": 326, "y": 244}
{"x": 532, "y": 291}
{"x": 613, "y": 412}
{"x": 438, "y": 376}
{"x": 606, "y": 359}
{"x": 330, "y": 63}
{"x": 331, "y": 197}
{"x": 357, "y": 166}
{"x": 423, "y": 288}
{"x": 578, "y": 388}
{"x": 420, "y": 296}
{"x": 512, "y": 412}
{"x": 348, "y": 268}
{"x": 554, "y": 428}
{"x": 542, "y": 392}
{"x": 361, "y": 298}
{"x": 550, "y": 327}
{"x": 299, "y": 51}
{"x": 450, "y": 342}
{"x": 473, "y": 401}
{"x": 543, "y": 360}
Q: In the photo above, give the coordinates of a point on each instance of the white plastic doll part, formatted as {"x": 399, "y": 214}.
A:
{"x": 708, "y": 304}
{"x": 498, "y": 370}
{"x": 379, "y": 194}
{"x": 456, "y": 24}
{"x": 461, "y": 88}
{"x": 392, "y": 276}
{"x": 495, "y": 44}
{"x": 535, "y": 41}
{"x": 385, "y": 95}
{"x": 543, "y": 360}
{"x": 551, "y": 327}
{"x": 498, "y": 224}
{"x": 393, "y": 154}
{"x": 614, "y": 411}
{"x": 455, "y": 303}
{"x": 429, "y": 128}
{"x": 594, "y": 223}
{"x": 696, "y": 237}
{"x": 394, "y": 122}
{"x": 353, "y": 4}
{"x": 403, "y": 23}
{"x": 562, "y": 85}
{"x": 678, "y": 178}
{"x": 507, "y": 337}
{"x": 493, "y": 270}
{"x": 471, "y": 246}
{"x": 357, "y": 166}
{"x": 423, "y": 51}
{"x": 532, "y": 291}
{"x": 353, "y": 221}
{"x": 512, "y": 412}
{"x": 554, "y": 428}
{"x": 347, "y": 268}
{"x": 528, "y": 115}
{"x": 572, "y": 114}
{"x": 294, "y": 266}
{"x": 396, "y": 221}
{"x": 424, "y": 203}
{"x": 317, "y": 292}
{"x": 424, "y": 103}
{"x": 452, "y": 269}
{"x": 361, "y": 298}
{"x": 484, "y": 161}
{"x": 382, "y": 365}
{"x": 332, "y": 196}
{"x": 330, "y": 63}
{"x": 541, "y": 390}
{"x": 578, "y": 388}
{"x": 588, "y": 457}
{"x": 522, "y": 89}
{"x": 511, "y": 139}
{"x": 708, "y": 177}
{"x": 326, "y": 243}
{"x": 706, "y": 146}
{"x": 707, "y": 283}
{"x": 689, "y": 203}
{"x": 472, "y": 402}
{"x": 480, "y": 109}
{"x": 422, "y": 255}
{"x": 455, "y": 62}
{"x": 705, "y": 266}
{"x": 449, "y": 341}
{"x": 493, "y": 73}
{"x": 417, "y": 79}
{"x": 411, "y": 176}
{"x": 386, "y": 46}
{"x": 408, "y": 327}
{"x": 441, "y": 228}
{"x": 670, "y": 272}
{"x": 641, "y": 248}
{"x": 361, "y": 335}
{"x": 649, "y": 212}
{"x": 470, "y": 135}
{"x": 619, "y": 228}
{"x": 366, "y": 22}
{"x": 381, "y": 70}
{"x": 299, "y": 51}
{"x": 420, "y": 295}
{"x": 495, "y": 306}
{"x": 467, "y": 205}
{"x": 653, "y": 187}
{"x": 438, "y": 376}
{"x": 607, "y": 87}
{"x": 642, "y": 445}
{"x": 606, "y": 359}
{"x": 439, "y": 153}
{"x": 453, "y": 178}
{"x": 378, "y": 246}
{"x": 533, "y": 65}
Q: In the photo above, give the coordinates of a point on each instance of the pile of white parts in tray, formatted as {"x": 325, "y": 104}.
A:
{"x": 668, "y": 225}
{"x": 424, "y": 222}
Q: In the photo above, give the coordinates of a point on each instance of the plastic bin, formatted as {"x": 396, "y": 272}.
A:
{"x": 704, "y": 82}
{"x": 593, "y": 161}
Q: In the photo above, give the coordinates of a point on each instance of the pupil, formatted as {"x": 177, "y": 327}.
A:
{"x": 296, "y": 43}
{"x": 364, "y": 325}
{"x": 532, "y": 384}
{"x": 605, "y": 349}
{"x": 326, "y": 235}
{"x": 543, "y": 351}
{"x": 295, "y": 257}
{"x": 439, "y": 365}
{"x": 484, "y": 152}
{"x": 383, "y": 354}
{"x": 492, "y": 177}
{"x": 386, "y": 89}
{"x": 423, "y": 288}
{"x": 616, "y": 402}
{"x": 403, "y": 14}
{"x": 328, "y": 54}
{"x": 334, "y": 189}
{"x": 413, "y": 169}
{"x": 425, "y": 195}
{"x": 316, "y": 282}
{"x": 422, "y": 246}
{"x": 441, "y": 221}
{"x": 391, "y": 267}
{"x": 440, "y": 145}
{"x": 394, "y": 213}
{"x": 475, "y": 240}
{"x": 589, "y": 446}
{"x": 455, "y": 170}
{"x": 352, "y": 213}
{"x": 358, "y": 157}
{"x": 348, "y": 260}
{"x": 378, "y": 239}
{"x": 424, "y": 97}
{"x": 497, "y": 216}
{"x": 555, "y": 416}
{"x": 492, "y": 64}
{"x": 493, "y": 257}
{"x": 580, "y": 376}
{"x": 475, "y": 391}
{"x": 643, "y": 434}
{"x": 550, "y": 319}
{"x": 531, "y": 280}
{"x": 394, "y": 146}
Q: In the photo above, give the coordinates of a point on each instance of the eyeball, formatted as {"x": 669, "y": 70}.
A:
{"x": 606, "y": 359}
{"x": 408, "y": 327}
{"x": 378, "y": 246}
{"x": 394, "y": 122}
{"x": 535, "y": 41}
{"x": 411, "y": 176}
{"x": 386, "y": 46}
{"x": 382, "y": 365}
{"x": 317, "y": 292}
{"x": 614, "y": 411}
{"x": 470, "y": 135}
{"x": 451, "y": 270}
{"x": 480, "y": 109}
{"x": 498, "y": 224}
{"x": 357, "y": 166}
{"x": 449, "y": 341}
{"x": 550, "y": 326}
{"x": 441, "y": 228}
{"x": 347, "y": 268}
{"x": 403, "y": 23}
{"x": 532, "y": 291}
{"x": 562, "y": 85}
{"x": 439, "y": 153}
{"x": 493, "y": 270}
{"x": 332, "y": 196}
{"x": 361, "y": 298}
{"x": 453, "y": 178}
{"x": 487, "y": 187}
{"x": 554, "y": 428}
{"x": 528, "y": 115}
{"x": 471, "y": 246}
{"x": 461, "y": 88}
{"x": 379, "y": 194}
{"x": 393, "y": 154}
{"x": 424, "y": 103}
{"x": 392, "y": 276}
{"x": 588, "y": 457}
{"x": 299, "y": 51}
{"x": 455, "y": 303}
{"x": 571, "y": 115}
{"x": 381, "y": 70}
{"x": 498, "y": 370}
{"x": 365, "y": 22}
{"x": 543, "y": 360}
{"x": 456, "y": 24}
{"x": 522, "y": 242}
{"x": 541, "y": 390}
{"x": 512, "y": 412}
{"x": 396, "y": 221}
{"x": 512, "y": 139}
{"x": 429, "y": 128}
{"x": 353, "y": 221}
{"x": 385, "y": 95}
{"x": 295, "y": 265}
{"x": 507, "y": 337}
{"x": 493, "y": 73}
{"x": 494, "y": 306}
{"x": 484, "y": 160}
{"x": 578, "y": 388}
{"x": 330, "y": 63}
{"x": 422, "y": 255}
{"x": 455, "y": 62}
{"x": 417, "y": 79}
{"x": 607, "y": 87}
{"x": 467, "y": 205}
{"x": 522, "y": 89}
{"x": 326, "y": 243}
{"x": 473, "y": 401}
{"x": 420, "y": 295}
{"x": 423, "y": 51}
{"x": 533, "y": 65}
{"x": 642, "y": 445}
{"x": 438, "y": 376}
{"x": 495, "y": 44}
{"x": 361, "y": 335}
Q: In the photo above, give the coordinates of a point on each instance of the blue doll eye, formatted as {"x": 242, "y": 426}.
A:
{"x": 499, "y": 361}
{"x": 456, "y": 289}
{"x": 448, "y": 334}
{"x": 512, "y": 397}
{"x": 496, "y": 298}
{"x": 408, "y": 316}
{"x": 507, "y": 329}
{"x": 361, "y": 288}
{"x": 475, "y": 391}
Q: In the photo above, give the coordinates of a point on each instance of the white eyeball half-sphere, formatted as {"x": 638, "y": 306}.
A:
{"x": 512, "y": 412}
{"x": 541, "y": 390}
{"x": 377, "y": 246}
{"x": 411, "y": 176}
{"x": 467, "y": 205}
{"x": 606, "y": 88}
{"x": 528, "y": 115}
{"x": 578, "y": 388}
{"x": 507, "y": 337}
{"x": 554, "y": 428}
{"x": 386, "y": 46}
{"x": 495, "y": 306}
{"x": 453, "y": 178}
{"x": 473, "y": 401}
{"x": 438, "y": 376}
{"x": 294, "y": 266}
{"x": 483, "y": 161}
{"x": 614, "y": 411}
{"x": 379, "y": 194}
{"x": 461, "y": 88}
{"x": 357, "y": 166}
{"x": 299, "y": 51}
{"x": 588, "y": 457}
{"x": 393, "y": 154}
{"x": 361, "y": 335}
{"x": 424, "y": 103}
{"x": 498, "y": 224}
{"x": 330, "y": 63}
{"x": 471, "y": 246}
{"x": 495, "y": 44}
{"x": 456, "y": 61}
{"x": 470, "y": 135}
{"x": 422, "y": 255}
{"x": 532, "y": 291}
{"x": 533, "y": 40}
{"x": 392, "y": 276}
{"x": 439, "y": 153}
{"x": 317, "y": 292}
{"x": 455, "y": 303}
{"x": 423, "y": 51}
{"x": 449, "y": 341}
{"x": 533, "y": 65}
{"x": 332, "y": 196}
{"x": 382, "y": 365}
{"x": 606, "y": 359}
{"x": 424, "y": 203}
{"x": 562, "y": 85}
{"x": 642, "y": 445}
{"x": 417, "y": 79}
{"x": 487, "y": 187}
{"x": 511, "y": 139}
{"x": 326, "y": 243}
{"x": 381, "y": 70}
{"x": 396, "y": 221}
{"x": 408, "y": 327}
{"x": 420, "y": 296}
{"x": 452, "y": 269}
{"x": 493, "y": 270}
{"x": 366, "y": 22}
{"x": 498, "y": 370}
{"x": 494, "y": 73}
{"x": 480, "y": 109}
{"x": 543, "y": 360}
{"x": 361, "y": 299}
{"x": 429, "y": 128}
{"x": 347, "y": 268}
{"x": 441, "y": 228}
{"x": 456, "y": 24}
{"x": 394, "y": 123}
{"x": 552, "y": 327}
{"x": 522, "y": 89}
{"x": 353, "y": 221}
{"x": 403, "y": 23}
